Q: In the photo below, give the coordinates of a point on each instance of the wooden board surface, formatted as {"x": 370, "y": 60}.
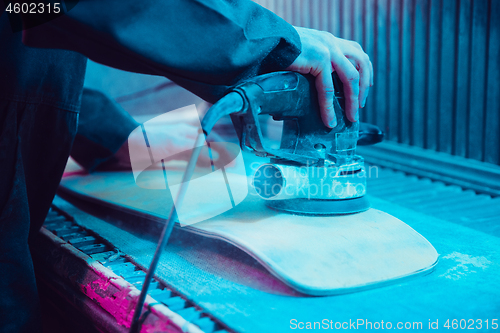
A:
{"x": 314, "y": 255}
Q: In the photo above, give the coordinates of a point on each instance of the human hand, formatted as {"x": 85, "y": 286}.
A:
{"x": 322, "y": 53}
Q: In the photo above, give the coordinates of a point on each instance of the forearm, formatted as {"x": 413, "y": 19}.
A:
{"x": 203, "y": 45}
{"x": 103, "y": 128}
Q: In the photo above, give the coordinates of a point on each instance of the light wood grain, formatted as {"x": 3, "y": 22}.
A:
{"x": 314, "y": 255}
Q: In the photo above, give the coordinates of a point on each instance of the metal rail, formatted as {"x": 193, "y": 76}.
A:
{"x": 436, "y": 62}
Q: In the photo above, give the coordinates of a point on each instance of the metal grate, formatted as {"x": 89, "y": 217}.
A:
{"x": 448, "y": 202}
{"x": 87, "y": 241}
{"x": 436, "y": 62}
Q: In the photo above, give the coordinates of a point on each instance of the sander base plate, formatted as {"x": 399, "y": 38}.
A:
{"x": 304, "y": 206}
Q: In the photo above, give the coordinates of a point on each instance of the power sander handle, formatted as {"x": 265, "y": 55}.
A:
{"x": 291, "y": 97}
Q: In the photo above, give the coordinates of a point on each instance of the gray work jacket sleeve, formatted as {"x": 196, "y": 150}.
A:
{"x": 203, "y": 45}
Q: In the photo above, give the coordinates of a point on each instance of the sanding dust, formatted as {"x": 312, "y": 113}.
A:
{"x": 465, "y": 266}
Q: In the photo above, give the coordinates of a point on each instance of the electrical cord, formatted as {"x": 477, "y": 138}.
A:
{"x": 232, "y": 102}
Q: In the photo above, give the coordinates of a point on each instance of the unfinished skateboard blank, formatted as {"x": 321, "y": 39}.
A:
{"x": 322, "y": 255}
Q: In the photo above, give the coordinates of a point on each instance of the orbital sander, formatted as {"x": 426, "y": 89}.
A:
{"x": 316, "y": 170}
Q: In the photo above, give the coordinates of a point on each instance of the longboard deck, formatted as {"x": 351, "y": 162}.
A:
{"x": 315, "y": 255}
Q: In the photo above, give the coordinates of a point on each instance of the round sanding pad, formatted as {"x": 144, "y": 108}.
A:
{"x": 306, "y": 206}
